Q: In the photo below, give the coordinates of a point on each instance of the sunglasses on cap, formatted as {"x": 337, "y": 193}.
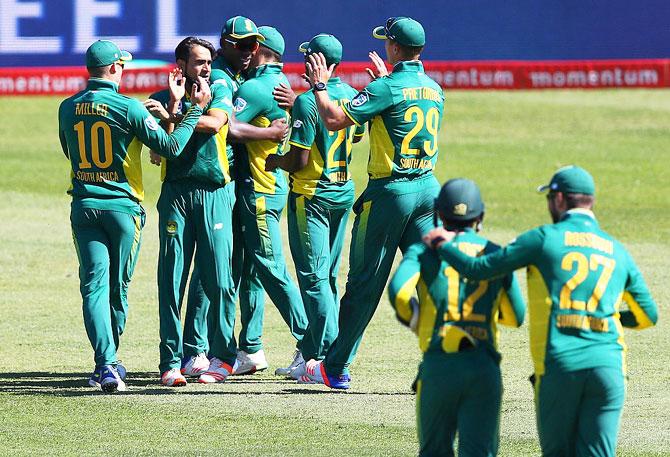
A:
{"x": 249, "y": 46}
{"x": 387, "y": 28}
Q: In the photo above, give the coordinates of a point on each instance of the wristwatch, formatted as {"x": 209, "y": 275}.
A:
{"x": 319, "y": 86}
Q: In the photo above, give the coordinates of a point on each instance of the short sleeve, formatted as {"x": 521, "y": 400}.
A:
{"x": 369, "y": 102}
{"x": 222, "y": 98}
{"x": 305, "y": 117}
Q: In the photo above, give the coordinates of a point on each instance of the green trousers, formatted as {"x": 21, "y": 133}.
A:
{"x": 389, "y": 216}
{"x": 199, "y": 327}
{"x": 578, "y": 412}
{"x": 263, "y": 256}
{"x": 459, "y": 393}
{"x": 316, "y": 235}
{"x": 194, "y": 214}
{"x": 107, "y": 244}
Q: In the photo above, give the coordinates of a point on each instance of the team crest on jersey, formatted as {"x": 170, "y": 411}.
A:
{"x": 297, "y": 124}
{"x": 240, "y": 104}
{"x": 151, "y": 123}
{"x": 171, "y": 228}
{"x": 359, "y": 99}
{"x": 461, "y": 209}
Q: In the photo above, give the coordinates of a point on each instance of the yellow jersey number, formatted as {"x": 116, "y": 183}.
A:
{"x": 431, "y": 120}
{"x": 103, "y": 160}
{"x": 342, "y": 136}
{"x": 584, "y": 266}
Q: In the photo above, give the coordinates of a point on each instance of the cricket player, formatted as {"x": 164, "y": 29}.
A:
{"x": 320, "y": 201}
{"x": 195, "y": 209}
{"x": 102, "y": 132}
{"x": 405, "y": 111}
{"x": 459, "y": 387}
{"x": 239, "y": 43}
{"x": 262, "y": 194}
{"x": 578, "y": 278}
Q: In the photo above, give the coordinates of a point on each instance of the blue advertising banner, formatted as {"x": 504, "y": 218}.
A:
{"x": 57, "y": 32}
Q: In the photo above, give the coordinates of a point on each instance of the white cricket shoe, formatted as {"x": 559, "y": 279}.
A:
{"x": 250, "y": 363}
{"x": 173, "y": 378}
{"x": 195, "y": 365}
{"x": 217, "y": 371}
{"x": 297, "y": 361}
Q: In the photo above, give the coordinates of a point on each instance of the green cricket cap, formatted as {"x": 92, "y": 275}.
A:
{"x": 105, "y": 52}
{"x": 404, "y": 30}
{"x": 459, "y": 199}
{"x": 239, "y": 27}
{"x": 326, "y": 44}
{"x": 272, "y": 39}
{"x": 570, "y": 180}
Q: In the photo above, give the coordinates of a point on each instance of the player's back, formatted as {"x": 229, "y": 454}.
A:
{"x": 448, "y": 299}
{"x": 405, "y": 109}
{"x": 327, "y": 173}
{"x": 255, "y": 104}
{"x": 103, "y": 149}
{"x": 575, "y": 288}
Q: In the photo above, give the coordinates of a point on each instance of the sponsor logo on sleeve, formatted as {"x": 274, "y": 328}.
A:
{"x": 359, "y": 99}
{"x": 151, "y": 123}
{"x": 297, "y": 124}
{"x": 171, "y": 228}
{"x": 240, "y": 104}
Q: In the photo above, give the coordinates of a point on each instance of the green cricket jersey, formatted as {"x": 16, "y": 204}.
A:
{"x": 102, "y": 133}
{"x": 446, "y": 298}
{"x": 405, "y": 108}
{"x": 207, "y": 161}
{"x": 578, "y": 276}
{"x": 326, "y": 175}
{"x": 255, "y": 105}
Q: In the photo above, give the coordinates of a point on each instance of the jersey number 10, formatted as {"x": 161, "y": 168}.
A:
{"x": 99, "y": 161}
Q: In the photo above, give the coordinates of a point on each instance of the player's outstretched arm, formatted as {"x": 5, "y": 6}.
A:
{"x": 511, "y": 304}
{"x": 146, "y": 128}
{"x": 642, "y": 310}
{"x": 332, "y": 115}
{"x": 294, "y": 160}
{"x": 241, "y": 132}
{"x": 402, "y": 286}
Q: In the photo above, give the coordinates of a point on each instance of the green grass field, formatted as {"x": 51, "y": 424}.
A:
{"x": 509, "y": 142}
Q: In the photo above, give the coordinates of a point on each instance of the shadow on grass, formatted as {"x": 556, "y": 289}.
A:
{"x": 147, "y": 383}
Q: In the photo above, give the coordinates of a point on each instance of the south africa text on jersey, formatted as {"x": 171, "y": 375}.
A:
{"x": 91, "y": 109}
{"x": 416, "y": 163}
{"x": 97, "y": 176}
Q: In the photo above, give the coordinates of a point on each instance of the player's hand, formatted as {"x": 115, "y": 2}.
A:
{"x": 317, "y": 69}
{"x": 176, "y": 84}
{"x": 278, "y": 130}
{"x": 156, "y": 109}
{"x": 284, "y": 95}
{"x": 272, "y": 162}
{"x": 201, "y": 93}
{"x": 437, "y": 237}
{"x": 154, "y": 158}
{"x": 379, "y": 66}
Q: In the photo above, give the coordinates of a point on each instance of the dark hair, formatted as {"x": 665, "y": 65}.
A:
{"x": 579, "y": 200}
{"x": 408, "y": 52}
{"x": 98, "y": 72}
{"x": 460, "y": 225}
{"x": 183, "y": 49}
